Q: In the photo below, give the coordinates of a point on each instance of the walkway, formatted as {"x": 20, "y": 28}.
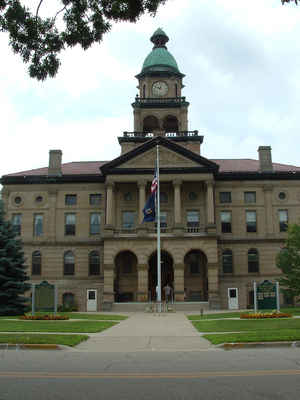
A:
{"x": 148, "y": 332}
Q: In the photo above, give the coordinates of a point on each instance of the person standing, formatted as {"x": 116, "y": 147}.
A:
{"x": 167, "y": 292}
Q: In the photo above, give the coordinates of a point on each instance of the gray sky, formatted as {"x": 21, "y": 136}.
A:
{"x": 241, "y": 60}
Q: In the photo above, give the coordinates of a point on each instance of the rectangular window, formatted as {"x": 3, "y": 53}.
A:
{"x": 17, "y": 223}
{"x": 250, "y": 197}
{"x": 95, "y": 220}
{"x": 128, "y": 219}
{"x": 251, "y": 221}
{"x": 70, "y": 199}
{"x": 95, "y": 199}
{"x": 70, "y": 224}
{"x": 193, "y": 219}
{"x": 38, "y": 225}
{"x": 163, "y": 219}
{"x": 225, "y": 197}
{"x": 283, "y": 220}
{"x": 226, "y": 221}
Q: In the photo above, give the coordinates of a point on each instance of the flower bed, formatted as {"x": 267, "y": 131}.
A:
{"x": 260, "y": 315}
{"x": 44, "y": 317}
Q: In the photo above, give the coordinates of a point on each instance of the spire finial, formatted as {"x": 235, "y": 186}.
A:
{"x": 159, "y": 38}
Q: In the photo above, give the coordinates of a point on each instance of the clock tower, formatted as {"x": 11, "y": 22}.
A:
{"x": 159, "y": 107}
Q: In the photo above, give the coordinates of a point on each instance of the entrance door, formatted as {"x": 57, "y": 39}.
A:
{"x": 91, "y": 300}
{"x": 233, "y": 299}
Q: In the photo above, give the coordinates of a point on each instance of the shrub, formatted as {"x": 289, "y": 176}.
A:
{"x": 260, "y": 315}
{"x": 44, "y": 317}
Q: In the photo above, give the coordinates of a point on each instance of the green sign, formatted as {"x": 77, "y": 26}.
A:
{"x": 266, "y": 296}
{"x": 44, "y": 297}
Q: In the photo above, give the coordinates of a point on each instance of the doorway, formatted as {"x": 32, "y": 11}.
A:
{"x": 167, "y": 273}
{"x": 233, "y": 299}
{"x": 91, "y": 304}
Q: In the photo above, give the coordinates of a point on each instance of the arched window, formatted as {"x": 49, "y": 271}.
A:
{"x": 227, "y": 261}
{"x": 253, "y": 261}
{"x": 36, "y": 268}
{"x": 170, "y": 124}
{"x": 94, "y": 263}
{"x": 144, "y": 91}
{"x": 69, "y": 263}
{"x": 176, "y": 90}
{"x": 150, "y": 124}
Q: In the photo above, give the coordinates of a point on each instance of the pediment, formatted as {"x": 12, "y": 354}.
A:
{"x": 167, "y": 159}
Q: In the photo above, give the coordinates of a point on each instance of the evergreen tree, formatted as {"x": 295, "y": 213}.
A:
{"x": 288, "y": 260}
{"x": 12, "y": 270}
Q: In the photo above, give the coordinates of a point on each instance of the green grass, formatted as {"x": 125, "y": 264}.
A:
{"x": 246, "y": 325}
{"x": 55, "y": 326}
{"x": 67, "y": 340}
{"x": 197, "y": 317}
{"x": 260, "y": 336}
{"x": 93, "y": 317}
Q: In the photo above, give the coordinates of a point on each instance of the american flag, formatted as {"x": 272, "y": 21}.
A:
{"x": 154, "y": 183}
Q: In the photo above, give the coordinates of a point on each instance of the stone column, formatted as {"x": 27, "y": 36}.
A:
{"x": 108, "y": 293}
{"x": 268, "y": 193}
{"x": 142, "y": 294}
{"x": 178, "y": 225}
{"x": 52, "y": 193}
{"x": 213, "y": 286}
{"x": 142, "y": 199}
{"x": 5, "y": 196}
{"x": 110, "y": 203}
{"x": 210, "y": 207}
{"x": 179, "y": 282}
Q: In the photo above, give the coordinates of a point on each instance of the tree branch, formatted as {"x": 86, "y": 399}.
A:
{"x": 38, "y": 9}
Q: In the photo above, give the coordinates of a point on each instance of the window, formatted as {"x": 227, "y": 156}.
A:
{"x": 95, "y": 199}
{"x": 227, "y": 261}
{"x": 38, "y": 225}
{"x": 128, "y": 196}
{"x": 193, "y": 219}
{"x": 250, "y": 197}
{"x": 36, "y": 267}
{"x": 193, "y": 196}
{"x": 128, "y": 219}
{"x": 163, "y": 219}
{"x": 176, "y": 90}
{"x": 226, "y": 221}
{"x": 69, "y": 263}
{"x": 282, "y": 196}
{"x": 283, "y": 220}
{"x": 225, "y": 197}
{"x": 17, "y": 223}
{"x": 251, "y": 221}
{"x": 94, "y": 263}
{"x": 70, "y": 224}
{"x": 163, "y": 197}
{"x": 253, "y": 264}
{"x": 144, "y": 91}
{"x": 95, "y": 220}
{"x": 70, "y": 199}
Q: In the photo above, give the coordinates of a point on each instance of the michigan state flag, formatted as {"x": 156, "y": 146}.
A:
{"x": 149, "y": 209}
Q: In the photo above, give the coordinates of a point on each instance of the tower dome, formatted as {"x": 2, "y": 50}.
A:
{"x": 160, "y": 59}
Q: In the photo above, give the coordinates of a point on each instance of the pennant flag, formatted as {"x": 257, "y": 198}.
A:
{"x": 149, "y": 209}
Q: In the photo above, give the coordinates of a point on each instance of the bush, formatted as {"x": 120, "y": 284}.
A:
{"x": 50, "y": 317}
{"x": 260, "y": 315}
{"x": 67, "y": 308}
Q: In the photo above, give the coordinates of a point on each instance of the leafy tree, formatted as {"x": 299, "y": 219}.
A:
{"x": 39, "y": 40}
{"x": 288, "y": 260}
{"x": 12, "y": 270}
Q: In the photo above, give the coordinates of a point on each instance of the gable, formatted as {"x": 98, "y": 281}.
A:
{"x": 167, "y": 159}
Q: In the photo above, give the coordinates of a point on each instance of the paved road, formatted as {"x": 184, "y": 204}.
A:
{"x": 269, "y": 374}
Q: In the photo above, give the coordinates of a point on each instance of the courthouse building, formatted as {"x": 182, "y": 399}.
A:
{"x": 222, "y": 221}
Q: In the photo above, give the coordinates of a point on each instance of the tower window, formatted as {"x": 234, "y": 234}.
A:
{"x": 144, "y": 91}
{"x": 170, "y": 124}
{"x": 176, "y": 90}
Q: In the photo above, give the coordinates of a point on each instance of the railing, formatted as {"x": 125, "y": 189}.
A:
{"x": 163, "y": 133}
{"x": 153, "y": 101}
{"x": 152, "y": 230}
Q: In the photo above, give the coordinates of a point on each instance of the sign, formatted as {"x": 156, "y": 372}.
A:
{"x": 44, "y": 297}
{"x": 266, "y": 295}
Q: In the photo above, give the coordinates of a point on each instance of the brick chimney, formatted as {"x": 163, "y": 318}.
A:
{"x": 55, "y": 157}
{"x": 265, "y": 159}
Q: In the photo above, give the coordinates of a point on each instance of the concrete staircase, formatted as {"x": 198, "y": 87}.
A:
{"x": 179, "y": 306}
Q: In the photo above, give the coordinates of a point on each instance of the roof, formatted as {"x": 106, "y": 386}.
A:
{"x": 93, "y": 167}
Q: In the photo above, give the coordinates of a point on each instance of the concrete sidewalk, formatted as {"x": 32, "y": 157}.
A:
{"x": 148, "y": 332}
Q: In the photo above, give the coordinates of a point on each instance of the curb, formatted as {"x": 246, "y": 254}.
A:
{"x": 232, "y": 346}
{"x": 9, "y": 346}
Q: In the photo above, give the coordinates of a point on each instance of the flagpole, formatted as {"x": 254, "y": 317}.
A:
{"x": 158, "y": 231}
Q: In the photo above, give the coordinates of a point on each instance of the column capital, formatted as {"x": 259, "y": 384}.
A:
{"x": 268, "y": 188}
{"x": 210, "y": 183}
{"x": 142, "y": 183}
{"x": 177, "y": 182}
{"x": 109, "y": 184}
{"x": 52, "y": 191}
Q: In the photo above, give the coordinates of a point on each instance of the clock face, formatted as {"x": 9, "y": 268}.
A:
{"x": 159, "y": 88}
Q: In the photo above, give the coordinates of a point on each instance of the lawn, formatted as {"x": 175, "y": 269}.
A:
{"x": 197, "y": 317}
{"x": 55, "y": 326}
{"x": 93, "y": 317}
{"x": 67, "y": 340}
{"x": 259, "y": 336}
{"x": 246, "y": 325}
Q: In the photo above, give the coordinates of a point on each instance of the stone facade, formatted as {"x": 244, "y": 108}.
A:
{"x": 223, "y": 221}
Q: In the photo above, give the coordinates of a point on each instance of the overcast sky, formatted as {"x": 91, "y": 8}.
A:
{"x": 242, "y": 65}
